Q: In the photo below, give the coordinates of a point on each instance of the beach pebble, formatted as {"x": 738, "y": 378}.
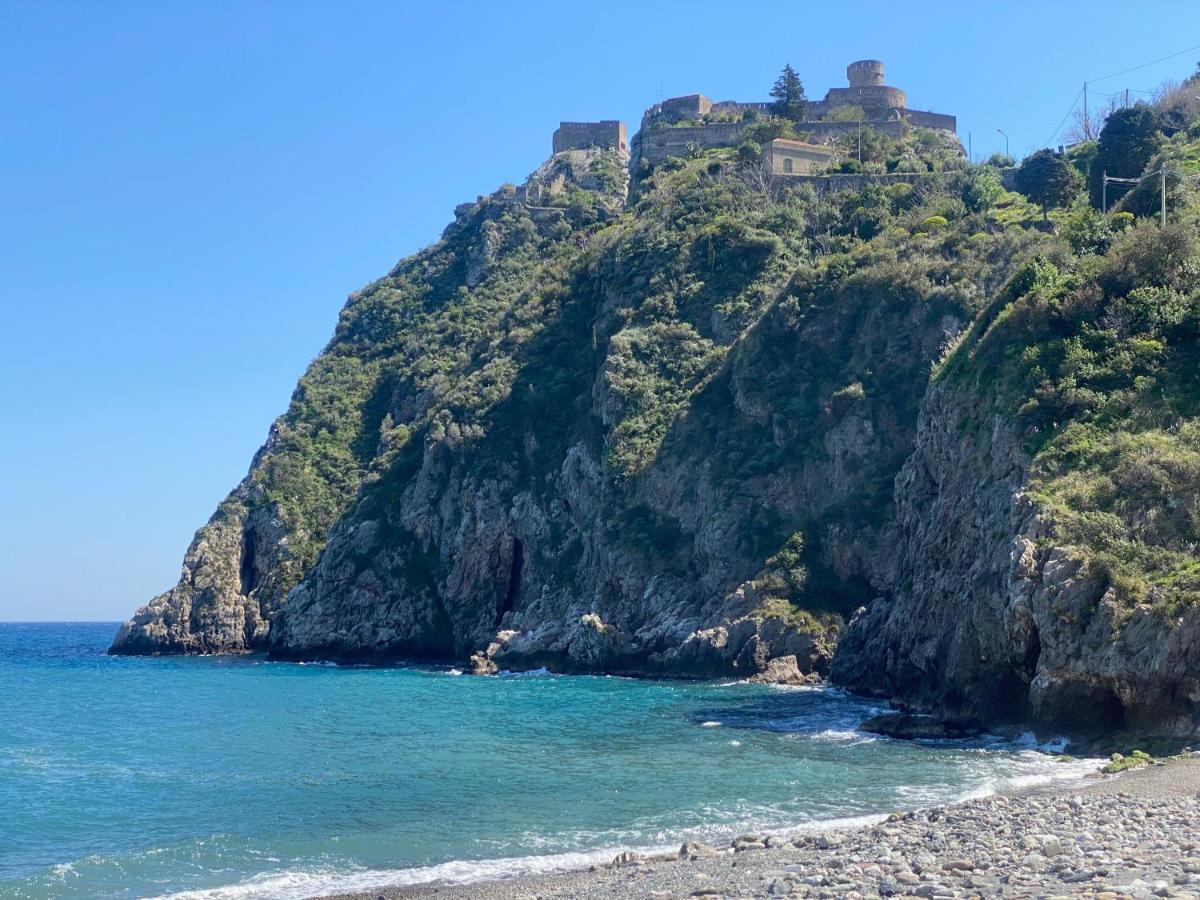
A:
{"x": 629, "y": 858}
{"x": 697, "y": 850}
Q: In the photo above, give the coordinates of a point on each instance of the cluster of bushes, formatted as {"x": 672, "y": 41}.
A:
{"x": 1094, "y": 349}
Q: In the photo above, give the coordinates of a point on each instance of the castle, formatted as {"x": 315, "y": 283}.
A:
{"x": 676, "y": 125}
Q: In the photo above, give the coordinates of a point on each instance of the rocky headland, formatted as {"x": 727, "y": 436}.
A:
{"x": 710, "y": 422}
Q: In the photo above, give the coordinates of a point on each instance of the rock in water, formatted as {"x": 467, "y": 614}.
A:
{"x": 785, "y": 670}
{"x": 909, "y": 727}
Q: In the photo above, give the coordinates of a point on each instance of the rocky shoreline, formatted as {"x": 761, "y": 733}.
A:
{"x": 1133, "y": 835}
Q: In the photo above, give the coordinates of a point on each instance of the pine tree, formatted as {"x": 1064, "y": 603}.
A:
{"x": 790, "y": 101}
{"x": 1047, "y": 179}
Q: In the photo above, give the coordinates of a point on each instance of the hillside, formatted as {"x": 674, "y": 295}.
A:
{"x": 694, "y": 429}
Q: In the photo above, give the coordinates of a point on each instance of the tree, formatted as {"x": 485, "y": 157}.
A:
{"x": 790, "y": 101}
{"x": 1047, "y": 179}
{"x": 1131, "y": 136}
{"x": 983, "y": 189}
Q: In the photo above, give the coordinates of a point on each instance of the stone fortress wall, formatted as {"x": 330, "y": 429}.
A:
{"x": 609, "y": 134}
{"x": 672, "y": 127}
{"x": 885, "y": 109}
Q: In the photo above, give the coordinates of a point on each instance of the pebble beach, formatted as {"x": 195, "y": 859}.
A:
{"x": 1132, "y": 835}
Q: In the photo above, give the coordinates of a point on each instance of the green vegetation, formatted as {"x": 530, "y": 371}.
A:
{"x": 788, "y": 94}
{"x": 1118, "y": 763}
{"x": 1094, "y": 348}
{"x": 729, "y": 346}
{"x": 1130, "y": 137}
{"x": 420, "y": 355}
{"x": 1048, "y": 180}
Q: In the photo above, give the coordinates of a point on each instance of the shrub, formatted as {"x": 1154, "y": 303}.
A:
{"x": 982, "y": 189}
{"x": 749, "y": 152}
{"x": 766, "y": 131}
{"x": 847, "y": 113}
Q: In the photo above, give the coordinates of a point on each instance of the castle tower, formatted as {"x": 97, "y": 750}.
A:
{"x": 865, "y": 73}
{"x": 867, "y": 90}
{"x": 609, "y": 134}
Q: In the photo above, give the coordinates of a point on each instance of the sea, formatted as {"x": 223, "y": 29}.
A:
{"x": 238, "y": 777}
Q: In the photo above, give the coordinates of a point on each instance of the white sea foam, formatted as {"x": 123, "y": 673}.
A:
{"x": 835, "y": 734}
{"x": 301, "y": 882}
{"x": 1029, "y": 741}
{"x": 710, "y": 724}
{"x": 297, "y": 883}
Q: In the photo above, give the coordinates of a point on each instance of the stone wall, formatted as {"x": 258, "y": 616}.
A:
{"x": 654, "y": 145}
{"x": 925, "y": 119}
{"x": 609, "y": 134}
{"x": 856, "y": 181}
{"x": 681, "y": 109}
{"x": 869, "y": 97}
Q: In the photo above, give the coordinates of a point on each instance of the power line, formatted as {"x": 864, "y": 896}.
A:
{"x": 1126, "y": 91}
{"x": 1074, "y": 103}
{"x": 1143, "y": 65}
{"x": 1083, "y": 89}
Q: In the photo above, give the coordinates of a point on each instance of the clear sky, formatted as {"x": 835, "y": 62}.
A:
{"x": 189, "y": 190}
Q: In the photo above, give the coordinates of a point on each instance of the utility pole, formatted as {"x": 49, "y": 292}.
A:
{"x": 1162, "y": 194}
{"x": 1087, "y": 128}
{"x": 860, "y": 142}
{"x": 1104, "y": 194}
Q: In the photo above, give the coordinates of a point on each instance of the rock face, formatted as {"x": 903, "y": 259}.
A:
{"x": 993, "y": 620}
{"x": 685, "y": 433}
{"x": 547, "y": 442}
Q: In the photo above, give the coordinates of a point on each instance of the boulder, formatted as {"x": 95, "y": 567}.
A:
{"x": 785, "y": 670}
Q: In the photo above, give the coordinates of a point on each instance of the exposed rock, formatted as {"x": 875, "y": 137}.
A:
{"x": 697, "y": 850}
{"x": 784, "y": 670}
{"x": 909, "y": 727}
{"x": 681, "y": 445}
{"x": 992, "y": 623}
{"x": 629, "y": 858}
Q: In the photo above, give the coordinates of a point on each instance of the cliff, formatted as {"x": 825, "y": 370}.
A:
{"x": 692, "y": 431}
{"x": 1050, "y": 510}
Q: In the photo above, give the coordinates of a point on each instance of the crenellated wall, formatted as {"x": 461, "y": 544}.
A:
{"x": 608, "y": 133}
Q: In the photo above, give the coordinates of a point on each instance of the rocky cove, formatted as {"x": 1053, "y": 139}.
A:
{"x": 707, "y": 425}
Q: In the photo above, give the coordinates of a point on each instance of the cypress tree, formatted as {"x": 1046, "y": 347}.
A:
{"x": 788, "y": 92}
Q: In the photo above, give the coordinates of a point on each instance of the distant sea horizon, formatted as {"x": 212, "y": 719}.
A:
{"x": 237, "y": 776}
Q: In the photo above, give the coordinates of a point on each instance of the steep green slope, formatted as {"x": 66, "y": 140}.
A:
{"x": 442, "y": 326}
{"x": 1056, "y": 494}
{"x": 695, "y": 430}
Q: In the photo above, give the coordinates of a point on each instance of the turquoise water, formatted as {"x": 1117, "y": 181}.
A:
{"x": 238, "y": 777}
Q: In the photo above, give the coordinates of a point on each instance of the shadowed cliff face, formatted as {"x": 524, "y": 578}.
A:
{"x": 692, "y": 432}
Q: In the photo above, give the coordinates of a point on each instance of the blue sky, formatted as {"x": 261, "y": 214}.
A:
{"x": 188, "y": 192}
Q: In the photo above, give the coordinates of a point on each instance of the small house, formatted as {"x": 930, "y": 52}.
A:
{"x": 785, "y": 157}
